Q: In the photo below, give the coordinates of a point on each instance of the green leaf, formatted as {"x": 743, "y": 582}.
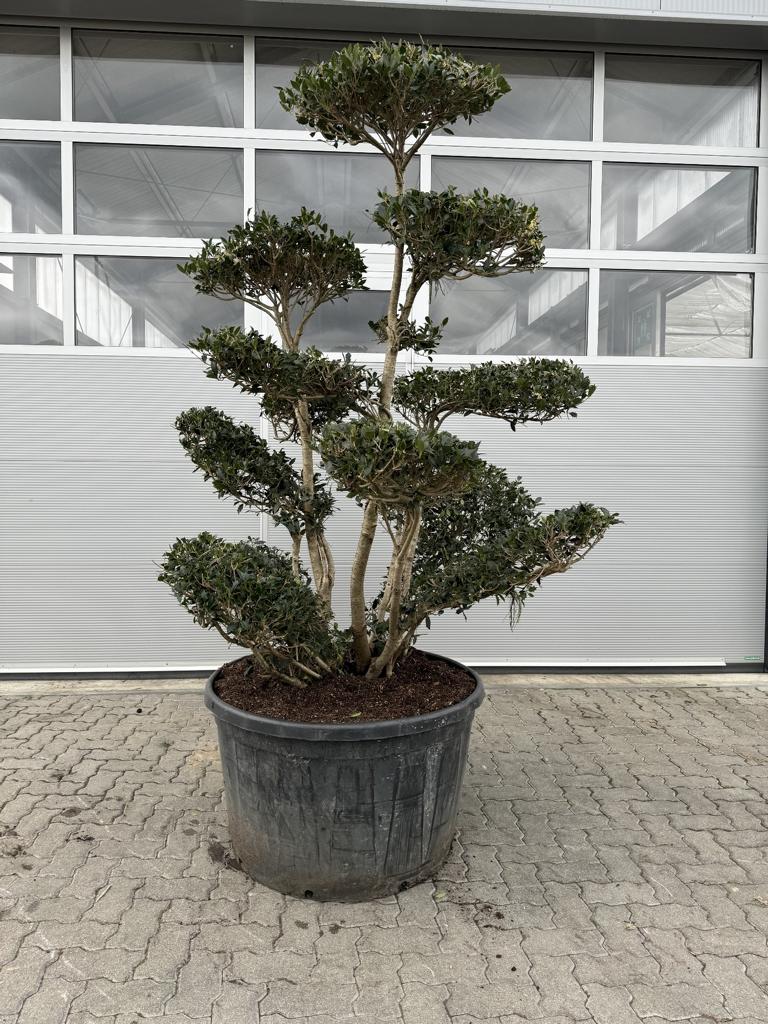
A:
{"x": 390, "y": 93}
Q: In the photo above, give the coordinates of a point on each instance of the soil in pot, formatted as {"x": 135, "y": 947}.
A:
{"x": 419, "y": 684}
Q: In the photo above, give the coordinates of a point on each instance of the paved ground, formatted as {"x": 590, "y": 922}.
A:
{"x": 612, "y": 867}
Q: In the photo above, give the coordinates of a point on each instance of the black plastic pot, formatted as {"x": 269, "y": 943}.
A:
{"x": 343, "y": 812}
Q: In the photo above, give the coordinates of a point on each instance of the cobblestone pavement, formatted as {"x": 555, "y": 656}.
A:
{"x": 612, "y": 867}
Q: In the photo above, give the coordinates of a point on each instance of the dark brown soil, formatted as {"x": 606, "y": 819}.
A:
{"x": 420, "y": 684}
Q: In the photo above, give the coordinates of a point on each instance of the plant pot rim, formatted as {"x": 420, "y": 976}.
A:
{"x": 378, "y": 730}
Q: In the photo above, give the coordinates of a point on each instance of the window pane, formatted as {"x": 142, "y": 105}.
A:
{"x": 675, "y": 313}
{"x": 276, "y": 64}
{"x": 339, "y": 186}
{"x": 558, "y": 188}
{"x": 29, "y": 74}
{"x": 30, "y": 187}
{"x": 343, "y": 326}
{"x": 544, "y": 313}
{"x": 550, "y": 98}
{"x": 31, "y": 304}
{"x": 137, "y": 302}
{"x": 155, "y": 190}
{"x": 678, "y": 209}
{"x": 156, "y": 78}
{"x": 697, "y": 101}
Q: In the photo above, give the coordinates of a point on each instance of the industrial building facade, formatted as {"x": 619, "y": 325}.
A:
{"x": 123, "y": 144}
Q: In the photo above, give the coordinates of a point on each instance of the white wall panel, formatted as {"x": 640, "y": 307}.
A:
{"x": 94, "y": 486}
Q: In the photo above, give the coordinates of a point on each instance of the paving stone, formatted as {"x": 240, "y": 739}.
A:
{"x": 379, "y": 985}
{"x": 89, "y": 935}
{"x": 199, "y": 984}
{"x": 458, "y": 928}
{"x": 670, "y": 915}
{"x": 50, "y": 1004}
{"x": 618, "y": 894}
{"x": 167, "y": 951}
{"x": 424, "y": 1004}
{"x": 143, "y": 998}
{"x": 743, "y": 998}
{"x": 562, "y": 942}
{"x": 617, "y": 969}
{"x": 75, "y": 964}
{"x": 568, "y": 908}
{"x": 678, "y": 1001}
{"x": 22, "y": 977}
{"x": 488, "y": 999}
{"x": 260, "y": 968}
{"x": 620, "y": 933}
{"x": 12, "y": 934}
{"x": 309, "y": 998}
{"x": 237, "y": 1004}
{"x": 610, "y": 1005}
{"x": 442, "y": 969}
{"x": 408, "y": 939}
{"x": 138, "y": 924}
{"x": 726, "y": 941}
{"x": 64, "y": 910}
{"x": 602, "y": 874}
{"x": 161, "y": 888}
{"x": 112, "y": 901}
{"x": 224, "y": 938}
{"x": 560, "y": 993}
{"x": 185, "y": 911}
{"x": 265, "y": 907}
{"x": 668, "y": 947}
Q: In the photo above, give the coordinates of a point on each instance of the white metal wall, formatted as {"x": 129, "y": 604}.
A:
{"x": 94, "y": 486}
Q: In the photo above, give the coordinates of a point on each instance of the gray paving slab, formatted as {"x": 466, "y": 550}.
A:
{"x": 611, "y": 866}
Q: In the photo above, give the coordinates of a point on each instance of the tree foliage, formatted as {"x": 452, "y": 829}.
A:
{"x": 417, "y": 337}
{"x": 493, "y": 541}
{"x": 461, "y": 530}
{"x": 451, "y": 236}
{"x": 249, "y": 594}
{"x": 396, "y": 466}
{"x": 529, "y": 391}
{"x": 286, "y": 269}
{"x": 242, "y": 466}
{"x": 391, "y": 95}
{"x": 332, "y": 388}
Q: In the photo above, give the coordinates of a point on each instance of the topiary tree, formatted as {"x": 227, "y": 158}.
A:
{"x": 460, "y": 529}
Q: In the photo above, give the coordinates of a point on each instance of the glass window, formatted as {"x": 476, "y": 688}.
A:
{"x": 156, "y": 78}
{"x": 169, "y": 191}
{"x": 696, "y": 101}
{"x": 276, "y": 64}
{"x": 550, "y": 98}
{"x": 675, "y": 313}
{"x": 29, "y": 74}
{"x": 339, "y": 186}
{"x": 343, "y": 326}
{"x": 679, "y": 209}
{"x": 30, "y": 187}
{"x": 142, "y": 302}
{"x": 31, "y": 302}
{"x": 560, "y": 189}
{"x": 544, "y": 313}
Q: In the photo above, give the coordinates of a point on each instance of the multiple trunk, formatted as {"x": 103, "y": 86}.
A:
{"x": 398, "y": 638}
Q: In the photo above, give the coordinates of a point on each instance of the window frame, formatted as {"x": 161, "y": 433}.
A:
{"x": 596, "y": 152}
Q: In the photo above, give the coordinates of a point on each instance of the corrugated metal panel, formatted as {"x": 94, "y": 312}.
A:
{"x": 93, "y": 487}
{"x": 758, "y": 8}
{"x": 588, "y": 8}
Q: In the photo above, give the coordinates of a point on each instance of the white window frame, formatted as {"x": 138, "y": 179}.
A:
{"x": 597, "y": 152}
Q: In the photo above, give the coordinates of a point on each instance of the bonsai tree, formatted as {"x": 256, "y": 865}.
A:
{"x": 460, "y": 529}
